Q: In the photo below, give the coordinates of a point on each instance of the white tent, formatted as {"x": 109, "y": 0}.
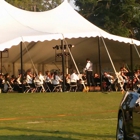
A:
{"x": 43, "y": 30}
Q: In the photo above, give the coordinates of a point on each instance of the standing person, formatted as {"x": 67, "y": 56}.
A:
{"x": 89, "y": 73}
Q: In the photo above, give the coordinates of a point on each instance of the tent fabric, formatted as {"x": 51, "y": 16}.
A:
{"x": 41, "y": 31}
{"x": 19, "y": 25}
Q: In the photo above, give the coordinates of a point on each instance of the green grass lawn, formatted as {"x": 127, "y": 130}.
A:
{"x": 59, "y": 116}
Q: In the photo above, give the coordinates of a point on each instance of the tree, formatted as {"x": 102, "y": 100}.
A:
{"x": 119, "y": 17}
{"x": 35, "y": 5}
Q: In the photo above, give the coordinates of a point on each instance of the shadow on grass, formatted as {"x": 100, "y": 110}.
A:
{"x": 55, "y": 137}
{"x": 33, "y": 137}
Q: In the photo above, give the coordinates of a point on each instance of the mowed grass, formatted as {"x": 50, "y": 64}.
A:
{"x": 59, "y": 116}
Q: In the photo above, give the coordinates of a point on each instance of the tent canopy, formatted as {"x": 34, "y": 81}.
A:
{"x": 40, "y": 31}
{"x": 20, "y": 25}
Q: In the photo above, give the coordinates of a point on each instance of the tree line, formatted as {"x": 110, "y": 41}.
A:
{"x": 118, "y": 17}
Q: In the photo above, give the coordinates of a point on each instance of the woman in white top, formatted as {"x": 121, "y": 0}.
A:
{"x": 74, "y": 78}
{"x": 56, "y": 79}
{"x": 39, "y": 79}
{"x": 29, "y": 81}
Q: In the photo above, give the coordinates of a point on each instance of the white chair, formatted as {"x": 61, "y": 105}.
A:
{"x": 28, "y": 88}
{"x": 73, "y": 87}
{"x": 47, "y": 88}
{"x": 10, "y": 89}
{"x": 39, "y": 87}
{"x": 57, "y": 88}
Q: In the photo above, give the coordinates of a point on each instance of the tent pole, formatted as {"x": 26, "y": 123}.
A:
{"x": 131, "y": 63}
{"x": 100, "y": 69}
{"x": 21, "y": 62}
{"x": 63, "y": 65}
{"x": 14, "y": 68}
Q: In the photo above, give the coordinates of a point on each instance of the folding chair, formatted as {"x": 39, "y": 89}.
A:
{"x": 47, "y": 88}
{"x": 57, "y": 88}
{"x": 39, "y": 87}
{"x": 73, "y": 87}
{"x": 10, "y": 89}
{"x": 28, "y": 88}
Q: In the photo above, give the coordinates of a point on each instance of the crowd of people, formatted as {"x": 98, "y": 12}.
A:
{"x": 32, "y": 82}
{"x": 57, "y": 82}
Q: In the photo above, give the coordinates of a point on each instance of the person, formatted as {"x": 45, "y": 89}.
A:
{"x": 39, "y": 82}
{"x": 67, "y": 79}
{"x": 19, "y": 84}
{"x": 29, "y": 81}
{"x": 1, "y": 82}
{"x": 7, "y": 82}
{"x": 48, "y": 81}
{"x": 97, "y": 79}
{"x": 56, "y": 81}
{"x": 73, "y": 81}
{"x": 89, "y": 73}
{"x": 109, "y": 80}
{"x": 123, "y": 72}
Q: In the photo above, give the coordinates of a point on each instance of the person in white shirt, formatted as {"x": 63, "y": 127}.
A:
{"x": 109, "y": 81}
{"x": 19, "y": 79}
{"x": 56, "y": 79}
{"x": 29, "y": 81}
{"x": 89, "y": 73}
{"x": 48, "y": 81}
{"x": 39, "y": 82}
{"x": 74, "y": 78}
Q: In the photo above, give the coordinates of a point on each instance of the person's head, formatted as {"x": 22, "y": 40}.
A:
{"x": 73, "y": 71}
{"x": 47, "y": 72}
{"x": 87, "y": 59}
{"x": 121, "y": 68}
{"x": 39, "y": 73}
{"x": 55, "y": 73}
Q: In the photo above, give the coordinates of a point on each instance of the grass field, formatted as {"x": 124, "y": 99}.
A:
{"x": 59, "y": 116}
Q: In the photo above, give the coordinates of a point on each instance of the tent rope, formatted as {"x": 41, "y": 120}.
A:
{"x": 137, "y": 50}
{"x": 119, "y": 77}
{"x": 29, "y": 56}
{"x": 85, "y": 88}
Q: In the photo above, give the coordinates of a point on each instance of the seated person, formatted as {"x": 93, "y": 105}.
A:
{"x": 56, "y": 81}
{"x": 97, "y": 80}
{"x": 29, "y": 80}
{"x": 109, "y": 80}
{"x": 74, "y": 78}
{"x": 39, "y": 79}
{"x": 1, "y": 82}
{"x": 67, "y": 79}
{"x": 48, "y": 80}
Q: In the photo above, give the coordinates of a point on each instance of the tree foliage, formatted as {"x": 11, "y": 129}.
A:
{"x": 119, "y": 17}
{"x": 35, "y": 5}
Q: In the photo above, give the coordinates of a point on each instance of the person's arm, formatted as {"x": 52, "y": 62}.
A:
{"x": 125, "y": 70}
{"x": 59, "y": 79}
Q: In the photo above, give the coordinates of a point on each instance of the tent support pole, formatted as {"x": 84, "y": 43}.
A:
{"x": 131, "y": 63}
{"x": 63, "y": 65}
{"x": 21, "y": 62}
{"x": 13, "y": 68}
{"x": 99, "y": 56}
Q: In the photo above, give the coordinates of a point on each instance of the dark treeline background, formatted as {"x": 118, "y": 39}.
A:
{"x": 118, "y": 17}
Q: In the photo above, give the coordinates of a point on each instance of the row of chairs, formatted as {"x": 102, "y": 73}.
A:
{"x": 40, "y": 88}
